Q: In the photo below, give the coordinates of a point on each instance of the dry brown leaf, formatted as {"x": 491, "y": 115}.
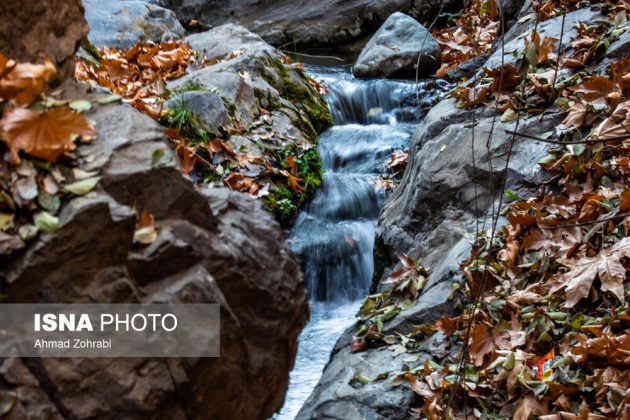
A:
{"x": 575, "y": 117}
{"x": 529, "y": 406}
{"x": 482, "y": 343}
{"x": 595, "y": 91}
{"x": 22, "y": 83}
{"x": 618, "y": 124}
{"x": 606, "y": 265}
{"x": 44, "y": 134}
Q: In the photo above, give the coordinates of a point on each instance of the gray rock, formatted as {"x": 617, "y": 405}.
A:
{"x": 254, "y": 78}
{"x": 121, "y": 23}
{"x": 431, "y": 216}
{"x": 514, "y": 38}
{"x": 396, "y": 48}
{"x": 313, "y": 23}
{"x": 335, "y": 398}
{"x": 208, "y": 107}
{"x": 621, "y": 47}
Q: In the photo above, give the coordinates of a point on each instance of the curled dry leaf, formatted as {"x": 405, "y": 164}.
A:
{"x": 43, "y": 134}
{"x": 618, "y": 124}
{"x": 22, "y": 83}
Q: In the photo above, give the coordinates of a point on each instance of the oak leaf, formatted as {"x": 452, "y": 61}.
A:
{"x": 44, "y": 134}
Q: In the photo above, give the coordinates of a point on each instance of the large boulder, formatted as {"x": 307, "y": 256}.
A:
{"x": 395, "y": 50}
{"x": 213, "y": 246}
{"x": 29, "y": 28}
{"x": 330, "y": 23}
{"x": 121, "y": 23}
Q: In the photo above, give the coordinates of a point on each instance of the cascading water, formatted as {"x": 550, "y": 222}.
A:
{"x": 334, "y": 234}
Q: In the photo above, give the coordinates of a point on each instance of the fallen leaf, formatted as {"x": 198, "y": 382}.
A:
{"x": 46, "y": 222}
{"x": 82, "y": 187}
{"x": 606, "y": 265}
{"x": 44, "y": 134}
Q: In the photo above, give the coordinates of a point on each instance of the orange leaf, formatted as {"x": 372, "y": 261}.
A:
{"x": 294, "y": 183}
{"x": 25, "y": 81}
{"x": 625, "y": 201}
{"x": 44, "y": 134}
{"x": 188, "y": 161}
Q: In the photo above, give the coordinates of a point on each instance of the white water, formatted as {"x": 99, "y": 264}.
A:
{"x": 334, "y": 234}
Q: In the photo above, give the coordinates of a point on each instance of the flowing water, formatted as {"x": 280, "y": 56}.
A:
{"x": 334, "y": 235}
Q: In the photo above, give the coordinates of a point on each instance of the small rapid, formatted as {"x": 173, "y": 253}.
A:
{"x": 334, "y": 234}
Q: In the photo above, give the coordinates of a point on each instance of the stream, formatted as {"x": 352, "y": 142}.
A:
{"x": 334, "y": 234}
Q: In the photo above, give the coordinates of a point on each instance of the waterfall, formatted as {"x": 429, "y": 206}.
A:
{"x": 334, "y": 234}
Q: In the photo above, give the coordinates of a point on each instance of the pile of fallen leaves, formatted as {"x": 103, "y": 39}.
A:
{"x": 37, "y": 132}
{"x": 138, "y": 74}
{"x": 546, "y": 332}
{"x": 282, "y": 178}
{"x": 470, "y": 35}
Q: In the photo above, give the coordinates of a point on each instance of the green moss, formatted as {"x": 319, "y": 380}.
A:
{"x": 296, "y": 89}
{"x": 283, "y": 203}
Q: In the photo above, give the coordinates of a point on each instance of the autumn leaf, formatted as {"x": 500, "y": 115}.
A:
{"x": 595, "y": 91}
{"x": 294, "y": 183}
{"x": 482, "y": 344}
{"x": 44, "y": 134}
{"x": 22, "y": 83}
{"x": 529, "y": 406}
{"x": 624, "y": 201}
{"x": 606, "y": 265}
{"x": 418, "y": 386}
{"x": 618, "y": 124}
{"x": 239, "y": 182}
{"x": 575, "y": 117}
{"x": 146, "y": 231}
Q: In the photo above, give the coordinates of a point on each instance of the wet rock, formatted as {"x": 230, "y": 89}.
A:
{"x": 330, "y": 23}
{"x": 396, "y": 48}
{"x": 213, "y": 246}
{"x": 31, "y": 27}
{"x": 341, "y": 395}
{"x": 121, "y": 23}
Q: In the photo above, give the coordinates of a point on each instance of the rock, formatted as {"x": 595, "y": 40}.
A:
{"x": 31, "y": 27}
{"x": 514, "y": 38}
{"x": 621, "y": 47}
{"x": 213, "y": 246}
{"x": 121, "y": 23}
{"x": 396, "y": 48}
{"x": 335, "y": 397}
{"x": 207, "y": 106}
{"x": 329, "y": 23}
{"x": 251, "y": 86}
{"x": 467, "y": 69}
